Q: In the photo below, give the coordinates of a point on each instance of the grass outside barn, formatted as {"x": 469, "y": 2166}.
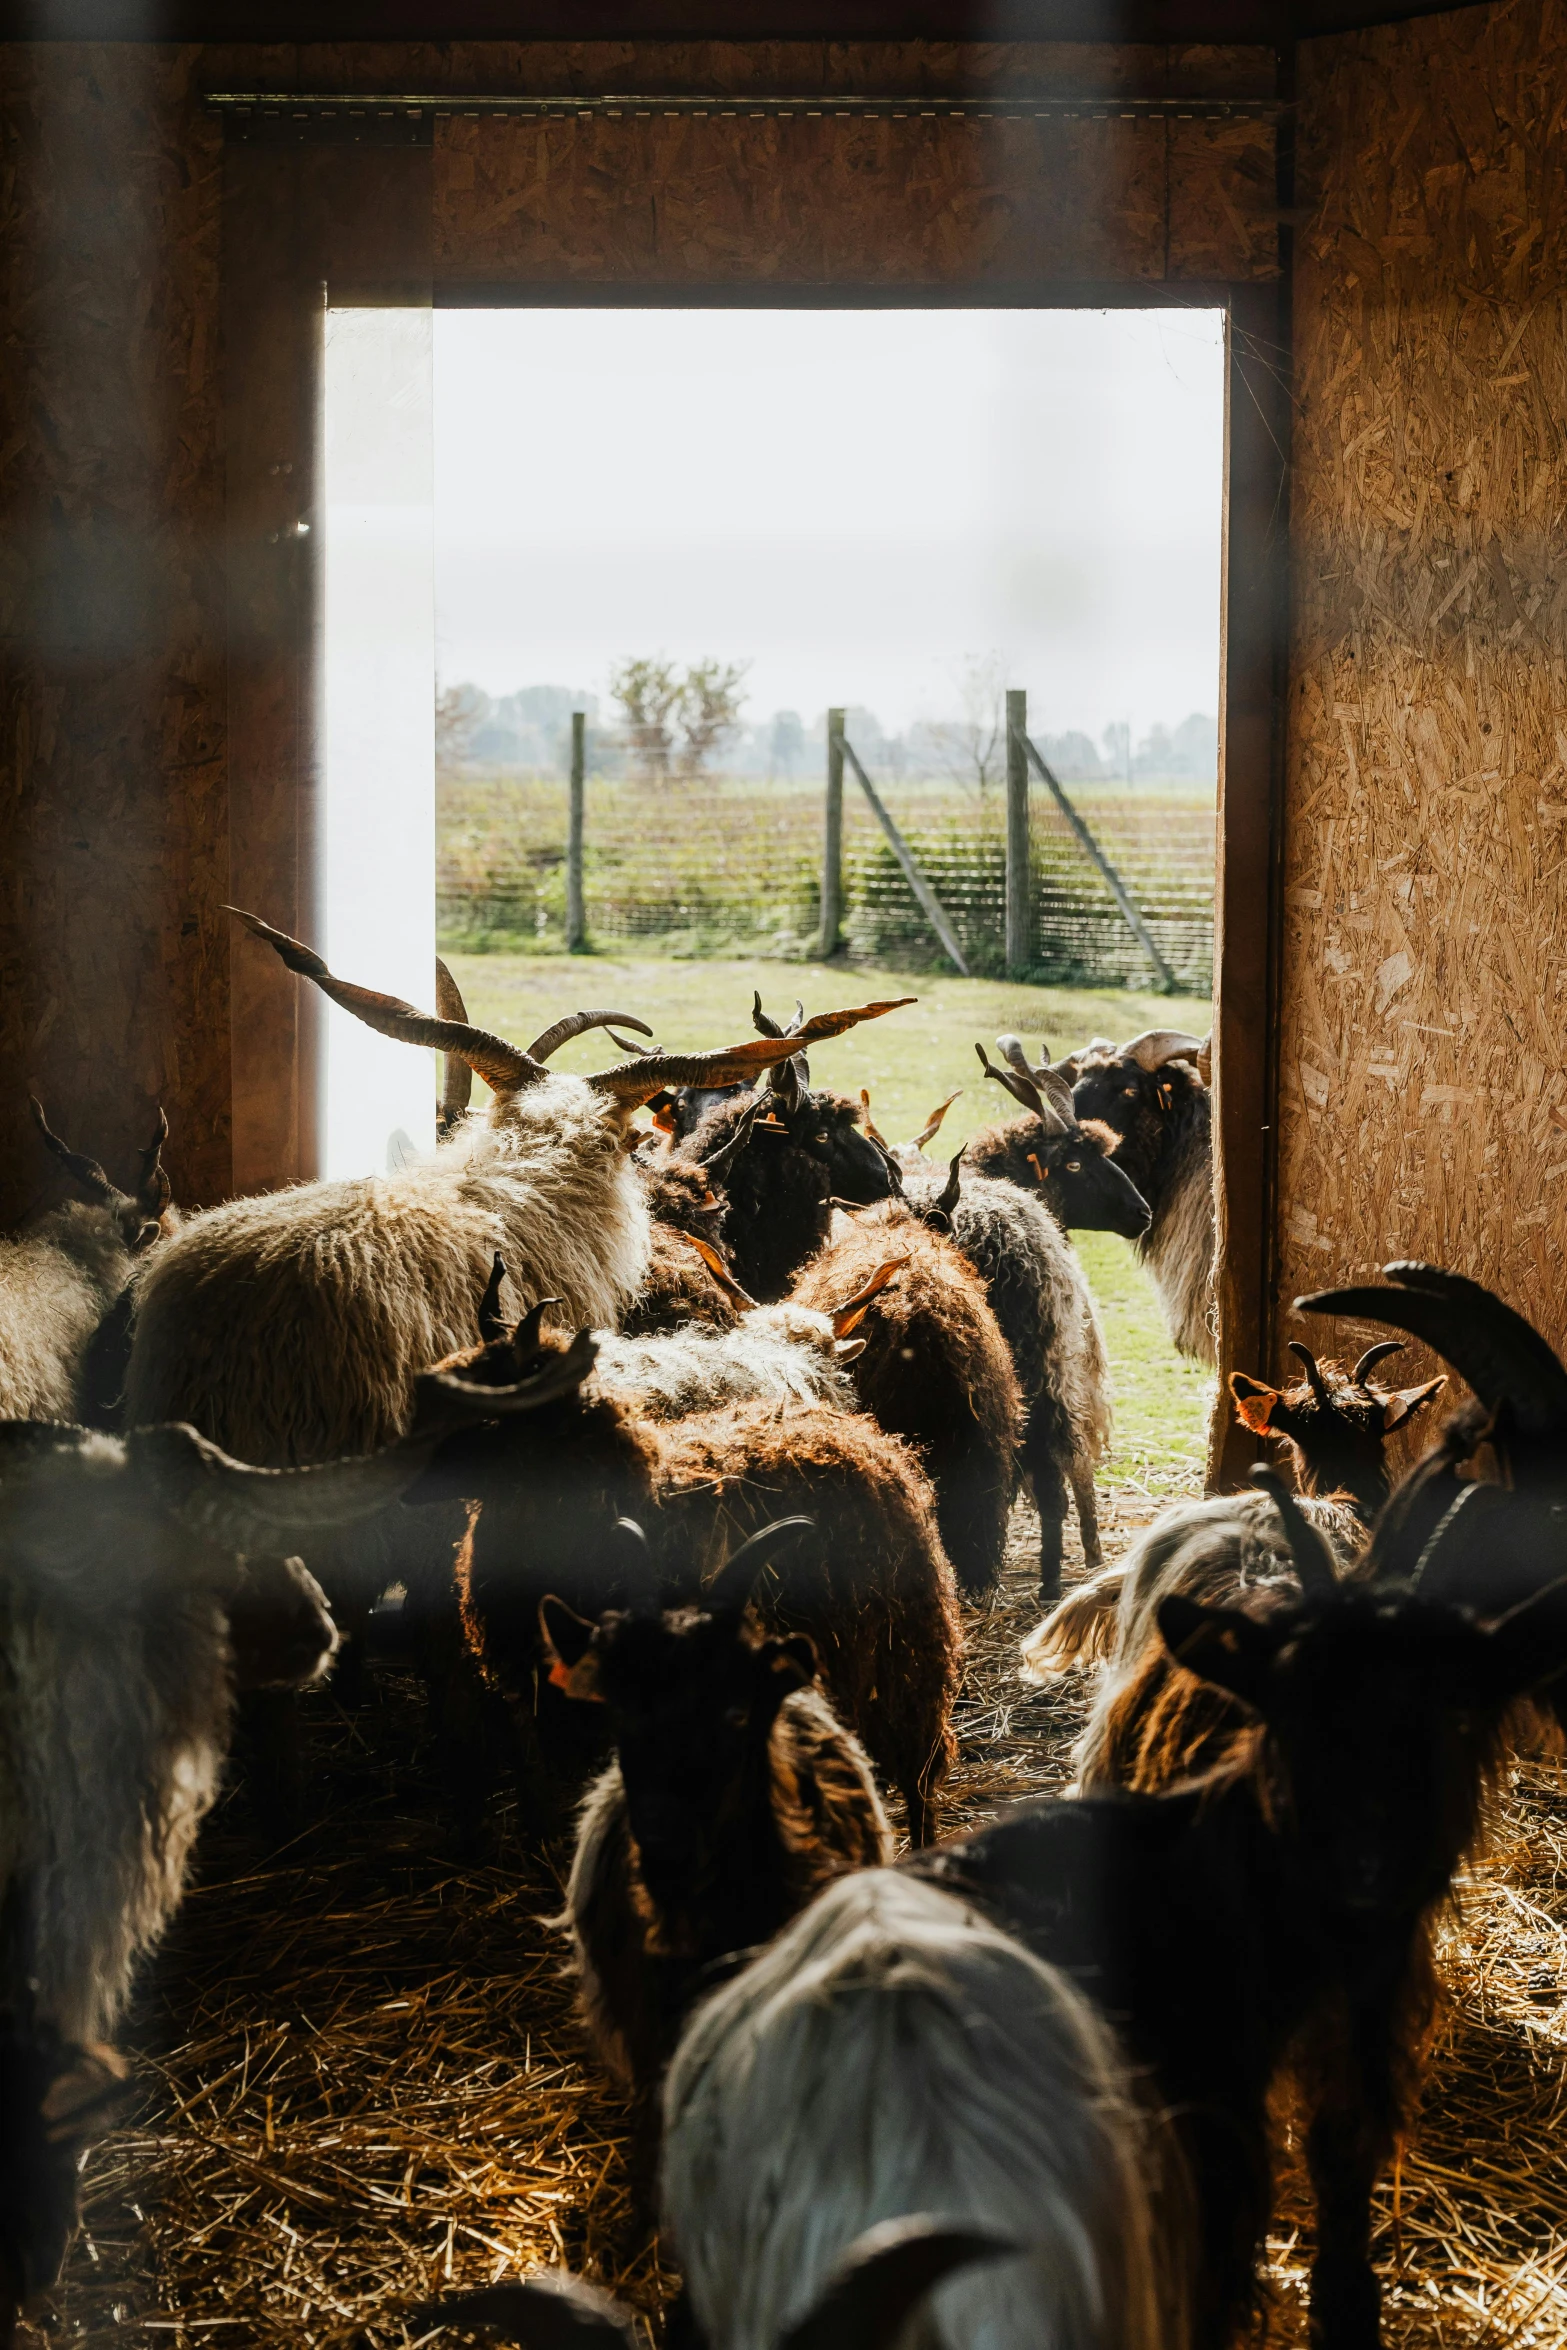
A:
{"x": 907, "y": 1062}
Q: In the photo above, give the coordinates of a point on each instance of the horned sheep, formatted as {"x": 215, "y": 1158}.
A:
{"x": 875, "y": 1594}
{"x": 935, "y": 1371}
{"x": 1153, "y": 1093}
{"x": 1335, "y": 1425}
{"x": 1268, "y": 1906}
{"x": 734, "y": 1796}
{"x": 1070, "y": 1164}
{"x": 61, "y": 1282}
{"x": 1041, "y": 1300}
{"x": 141, "y": 1580}
{"x": 291, "y": 1327}
{"x": 893, "y": 2051}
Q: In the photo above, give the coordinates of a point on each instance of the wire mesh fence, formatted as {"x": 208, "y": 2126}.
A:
{"x": 715, "y": 867}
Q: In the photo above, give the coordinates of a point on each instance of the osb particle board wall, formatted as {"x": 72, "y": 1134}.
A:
{"x": 115, "y": 834}
{"x": 1423, "y": 1070}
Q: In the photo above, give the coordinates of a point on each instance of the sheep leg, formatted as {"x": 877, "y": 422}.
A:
{"x": 1087, "y": 1501}
{"x": 1350, "y": 2138}
{"x": 1046, "y": 1444}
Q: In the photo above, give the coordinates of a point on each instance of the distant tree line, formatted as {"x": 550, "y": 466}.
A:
{"x": 685, "y": 721}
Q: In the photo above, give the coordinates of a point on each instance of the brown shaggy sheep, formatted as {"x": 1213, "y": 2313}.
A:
{"x": 935, "y": 1371}
{"x": 875, "y": 1594}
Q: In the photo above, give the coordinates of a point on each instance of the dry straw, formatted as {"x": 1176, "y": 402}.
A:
{"x": 362, "y": 2082}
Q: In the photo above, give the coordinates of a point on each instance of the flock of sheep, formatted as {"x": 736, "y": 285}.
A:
{"x": 714, "y": 1424}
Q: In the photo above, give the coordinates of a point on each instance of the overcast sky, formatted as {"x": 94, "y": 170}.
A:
{"x": 854, "y": 502}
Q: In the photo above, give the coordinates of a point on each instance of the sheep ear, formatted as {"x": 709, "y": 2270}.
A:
{"x": 1219, "y": 1644}
{"x": 1254, "y": 1403}
{"x": 852, "y": 1312}
{"x": 846, "y": 1349}
{"x": 568, "y": 1643}
{"x": 884, "y": 2276}
{"x": 793, "y": 1659}
{"x": 1404, "y": 1402}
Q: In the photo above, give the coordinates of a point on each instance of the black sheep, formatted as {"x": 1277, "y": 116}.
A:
{"x": 1287, "y": 1895}
{"x": 734, "y": 1797}
{"x": 1336, "y": 1423}
{"x": 1070, "y": 1167}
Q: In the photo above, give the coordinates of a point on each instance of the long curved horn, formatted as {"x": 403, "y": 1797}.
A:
{"x": 635, "y": 1081}
{"x": 870, "y": 1124}
{"x": 1022, "y": 1089}
{"x": 492, "y": 1322}
{"x": 852, "y": 1312}
{"x": 445, "y": 1398}
{"x": 1493, "y": 1349}
{"x": 500, "y": 1064}
{"x": 549, "y": 2311}
{"x": 153, "y": 1188}
{"x": 267, "y": 1510}
{"x": 80, "y": 1167}
{"x": 1307, "y": 1548}
{"x": 1157, "y": 1045}
{"x": 731, "y": 1587}
{"x": 739, "y": 1298}
{"x": 1372, "y": 1356}
{"x": 932, "y": 1125}
{"x": 1318, "y": 1385}
{"x": 718, "y": 1162}
{"x": 1011, "y": 1049}
{"x": 1034, "y": 1099}
{"x": 883, "y": 2277}
{"x": 577, "y": 1024}
{"x": 457, "y": 1082}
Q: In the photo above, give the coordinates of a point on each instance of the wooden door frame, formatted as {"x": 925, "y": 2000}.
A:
{"x": 357, "y": 221}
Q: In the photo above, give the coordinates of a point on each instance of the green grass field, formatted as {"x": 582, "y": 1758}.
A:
{"x": 907, "y": 1061}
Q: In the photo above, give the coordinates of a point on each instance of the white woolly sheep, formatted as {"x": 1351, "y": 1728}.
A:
{"x": 140, "y": 1579}
{"x": 1218, "y": 1552}
{"x": 291, "y": 1327}
{"x": 1153, "y": 1092}
{"x": 892, "y": 2052}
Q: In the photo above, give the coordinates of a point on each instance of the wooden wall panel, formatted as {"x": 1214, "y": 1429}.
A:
{"x": 1424, "y": 1080}
{"x": 152, "y": 762}
{"x": 677, "y": 202}
{"x": 113, "y": 969}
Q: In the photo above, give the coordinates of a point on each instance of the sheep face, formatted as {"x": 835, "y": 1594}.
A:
{"x": 1138, "y": 1104}
{"x": 1075, "y": 1175}
{"x": 693, "y": 1695}
{"x": 1335, "y": 1424}
{"x": 1372, "y": 1710}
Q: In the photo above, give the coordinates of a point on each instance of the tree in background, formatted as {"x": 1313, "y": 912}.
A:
{"x": 460, "y": 711}
{"x": 701, "y": 705}
{"x": 972, "y": 750}
{"x": 649, "y": 693}
{"x": 786, "y": 750}
{"x": 710, "y": 704}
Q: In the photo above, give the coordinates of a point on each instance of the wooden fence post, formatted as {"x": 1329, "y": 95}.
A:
{"x": 576, "y": 919}
{"x": 1019, "y": 878}
{"x": 832, "y": 841}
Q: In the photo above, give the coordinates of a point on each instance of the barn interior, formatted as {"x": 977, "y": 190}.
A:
{"x": 359, "y": 2079}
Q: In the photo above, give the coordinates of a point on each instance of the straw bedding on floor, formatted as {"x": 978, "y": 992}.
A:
{"x": 360, "y": 2081}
